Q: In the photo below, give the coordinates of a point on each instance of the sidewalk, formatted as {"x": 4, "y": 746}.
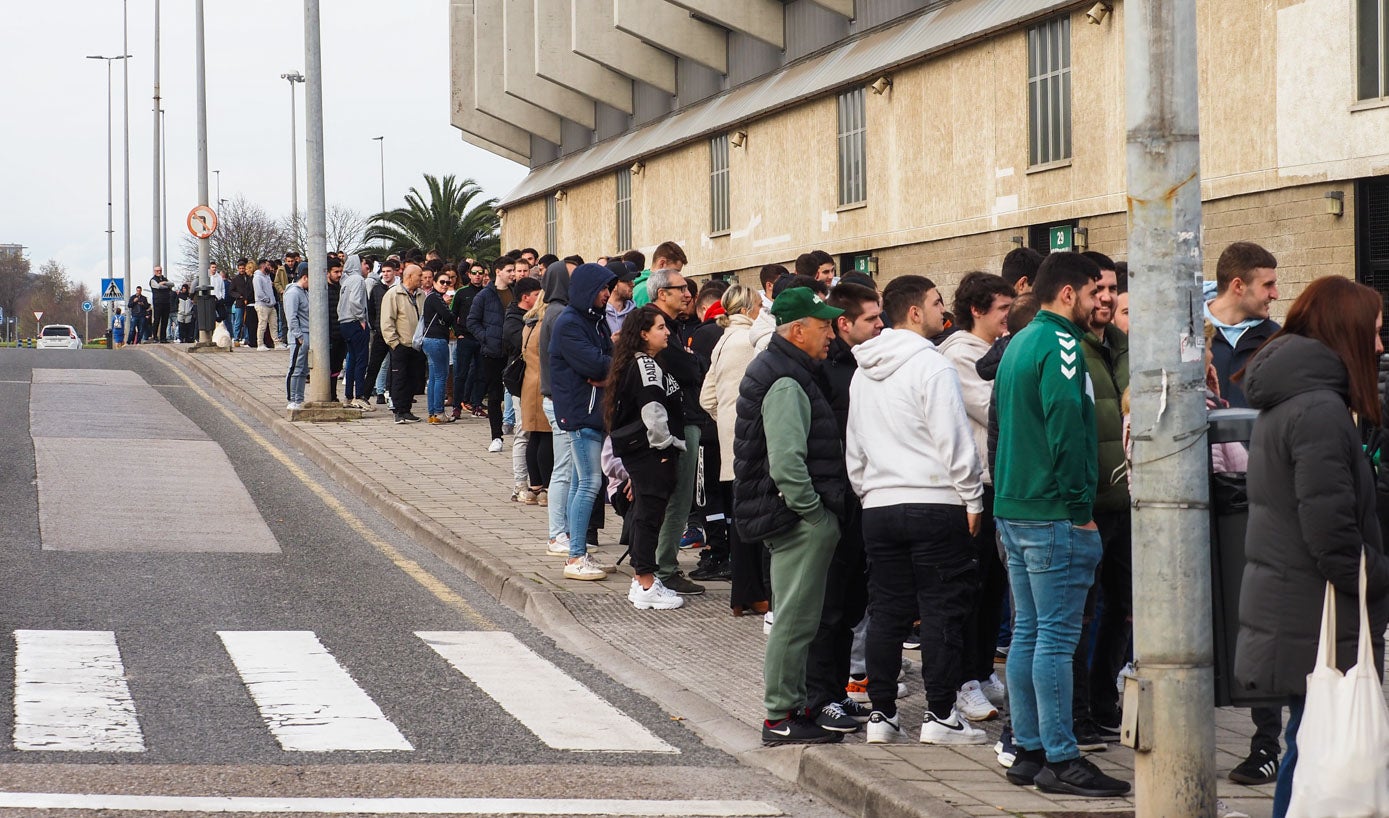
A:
{"x": 439, "y": 484}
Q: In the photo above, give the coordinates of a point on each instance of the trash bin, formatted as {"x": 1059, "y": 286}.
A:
{"x": 1229, "y": 518}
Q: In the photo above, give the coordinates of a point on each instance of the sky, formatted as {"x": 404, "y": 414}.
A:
{"x": 385, "y": 73}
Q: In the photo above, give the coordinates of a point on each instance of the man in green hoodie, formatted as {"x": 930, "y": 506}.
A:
{"x": 1045, "y": 483}
{"x": 667, "y": 256}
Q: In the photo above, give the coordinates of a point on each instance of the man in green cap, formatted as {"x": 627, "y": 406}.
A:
{"x": 789, "y": 493}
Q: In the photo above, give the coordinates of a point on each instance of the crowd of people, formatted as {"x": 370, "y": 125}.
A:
{"x": 869, "y": 470}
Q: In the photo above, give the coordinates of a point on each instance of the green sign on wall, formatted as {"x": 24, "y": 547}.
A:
{"x": 1060, "y": 238}
{"x": 861, "y": 263}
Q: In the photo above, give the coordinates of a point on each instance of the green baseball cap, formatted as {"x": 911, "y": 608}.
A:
{"x": 802, "y": 302}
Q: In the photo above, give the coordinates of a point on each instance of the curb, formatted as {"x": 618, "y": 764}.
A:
{"x": 849, "y": 784}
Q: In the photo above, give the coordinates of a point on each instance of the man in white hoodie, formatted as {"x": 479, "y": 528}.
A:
{"x": 912, "y": 461}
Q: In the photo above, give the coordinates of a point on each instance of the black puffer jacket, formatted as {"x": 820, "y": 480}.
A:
{"x": 987, "y": 367}
{"x": 1311, "y": 513}
{"x": 758, "y": 508}
{"x": 837, "y": 373}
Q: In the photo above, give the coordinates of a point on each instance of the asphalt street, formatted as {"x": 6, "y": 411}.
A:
{"x": 260, "y": 623}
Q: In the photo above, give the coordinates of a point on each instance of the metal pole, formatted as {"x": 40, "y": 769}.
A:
{"x": 164, "y": 191}
{"x": 125, "y": 114}
{"x": 1175, "y": 766}
{"x": 293, "y": 77}
{"x": 218, "y": 174}
{"x": 317, "y": 249}
{"x": 204, "y": 284}
{"x": 158, "y": 146}
{"x": 110, "y": 218}
{"x": 381, "y": 140}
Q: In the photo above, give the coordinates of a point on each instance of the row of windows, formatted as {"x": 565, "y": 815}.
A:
{"x": 1049, "y": 116}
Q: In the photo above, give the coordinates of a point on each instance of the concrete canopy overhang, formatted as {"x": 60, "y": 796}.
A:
{"x": 844, "y": 8}
{"x": 762, "y": 19}
{"x": 597, "y": 38}
{"x": 556, "y": 61}
{"x": 519, "y": 78}
{"x": 858, "y": 59}
{"x": 501, "y": 138}
{"x": 488, "y": 78}
{"x": 671, "y": 28}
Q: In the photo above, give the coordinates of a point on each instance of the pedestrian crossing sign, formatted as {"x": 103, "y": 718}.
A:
{"x": 112, "y": 289}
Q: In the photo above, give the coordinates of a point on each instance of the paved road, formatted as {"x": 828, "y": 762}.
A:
{"x": 191, "y": 612}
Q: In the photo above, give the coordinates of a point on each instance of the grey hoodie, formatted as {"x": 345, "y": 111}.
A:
{"x": 556, "y": 296}
{"x": 352, "y": 300}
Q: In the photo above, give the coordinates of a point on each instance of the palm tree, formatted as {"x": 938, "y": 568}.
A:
{"x": 447, "y": 221}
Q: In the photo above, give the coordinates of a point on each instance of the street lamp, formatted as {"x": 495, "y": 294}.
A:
{"x": 381, "y": 140}
{"x": 293, "y": 77}
{"x": 110, "y": 225}
{"x": 218, "y": 174}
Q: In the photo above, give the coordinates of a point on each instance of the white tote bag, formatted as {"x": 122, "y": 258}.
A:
{"x": 1343, "y": 743}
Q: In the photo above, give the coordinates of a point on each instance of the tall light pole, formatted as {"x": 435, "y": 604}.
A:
{"x": 164, "y": 190}
{"x": 205, "y": 314}
{"x": 293, "y": 77}
{"x": 125, "y": 141}
{"x": 110, "y": 224}
{"x": 158, "y": 146}
{"x": 317, "y": 249}
{"x": 218, "y": 174}
{"x": 381, "y": 140}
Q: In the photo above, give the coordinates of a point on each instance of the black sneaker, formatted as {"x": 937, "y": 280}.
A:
{"x": 409, "y": 417}
{"x": 1079, "y": 777}
{"x": 832, "y": 717}
{"x": 1026, "y": 765}
{"x": 913, "y": 640}
{"x": 1088, "y": 737}
{"x": 1260, "y": 768}
{"x": 796, "y": 729}
{"x": 399, "y": 418}
{"x": 858, "y": 712}
{"x": 1108, "y": 723}
{"x": 381, "y": 400}
{"x": 712, "y": 568}
{"x": 680, "y": 584}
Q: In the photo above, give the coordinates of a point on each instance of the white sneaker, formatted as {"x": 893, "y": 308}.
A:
{"x": 1125, "y": 672}
{"x": 995, "y": 690}
{"x": 657, "y": 596}
{"x": 583, "y": 569}
{"x": 496, "y": 445}
{"x": 292, "y": 406}
{"x": 559, "y": 546}
{"x": 971, "y": 703}
{"x": 953, "y": 730}
{"x": 884, "y": 730}
{"x": 768, "y": 619}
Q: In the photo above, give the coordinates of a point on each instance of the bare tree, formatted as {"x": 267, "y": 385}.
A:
{"x": 347, "y": 229}
{"x": 244, "y": 230}
{"x": 15, "y": 281}
{"x": 53, "y": 293}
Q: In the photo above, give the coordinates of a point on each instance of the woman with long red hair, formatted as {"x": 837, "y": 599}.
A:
{"x": 1311, "y": 497}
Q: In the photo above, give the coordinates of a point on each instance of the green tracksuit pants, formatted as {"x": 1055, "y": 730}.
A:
{"x": 800, "y": 563}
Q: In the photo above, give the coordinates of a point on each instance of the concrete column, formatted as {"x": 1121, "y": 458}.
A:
{"x": 595, "y": 36}
{"x": 518, "y": 68}
{"x": 660, "y": 23}
{"x": 555, "y": 61}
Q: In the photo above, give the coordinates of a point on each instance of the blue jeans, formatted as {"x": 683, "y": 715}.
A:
{"x": 1283, "y": 791}
{"x": 298, "y": 369}
{"x": 354, "y": 369}
{"x": 509, "y": 416}
{"x": 238, "y": 322}
{"x": 1051, "y": 565}
{"x": 588, "y": 476}
{"x": 467, "y": 365}
{"x": 561, "y": 476}
{"x": 436, "y": 352}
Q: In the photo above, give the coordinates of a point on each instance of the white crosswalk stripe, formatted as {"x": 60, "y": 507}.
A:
{"x": 550, "y": 703}
{"x": 308, "y": 700}
{"x": 70, "y": 694}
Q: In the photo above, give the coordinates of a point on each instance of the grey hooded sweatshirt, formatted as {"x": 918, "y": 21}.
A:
{"x": 556, "y": 296}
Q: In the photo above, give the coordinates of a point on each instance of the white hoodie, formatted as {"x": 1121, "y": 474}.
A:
{"x": 909, "y": 437}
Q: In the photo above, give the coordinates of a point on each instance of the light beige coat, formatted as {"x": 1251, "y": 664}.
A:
{"x": 719, "y": 397}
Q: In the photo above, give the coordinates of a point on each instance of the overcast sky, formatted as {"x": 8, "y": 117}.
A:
{"x": 385, "y": 72}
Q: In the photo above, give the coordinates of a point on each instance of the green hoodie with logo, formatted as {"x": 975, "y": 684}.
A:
{"x": 1048, "y": 460}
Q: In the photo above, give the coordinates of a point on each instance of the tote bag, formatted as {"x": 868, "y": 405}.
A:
{"x": 1343, "y": 743}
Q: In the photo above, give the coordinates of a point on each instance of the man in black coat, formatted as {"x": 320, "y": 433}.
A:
{"x": 486, "y": 318}
{"x": 162, "y": 295}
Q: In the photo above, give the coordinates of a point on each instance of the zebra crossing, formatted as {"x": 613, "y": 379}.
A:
{"x": 71, "y": 694}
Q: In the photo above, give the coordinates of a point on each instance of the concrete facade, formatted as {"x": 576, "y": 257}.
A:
{"x": 948, "y": 180}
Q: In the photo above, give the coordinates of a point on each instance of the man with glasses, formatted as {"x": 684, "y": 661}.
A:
{"x": 669, "y": 292}
{"x": 467, "y": 354}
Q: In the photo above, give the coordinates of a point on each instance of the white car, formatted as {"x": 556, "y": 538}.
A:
{"x": 59, "y": 336}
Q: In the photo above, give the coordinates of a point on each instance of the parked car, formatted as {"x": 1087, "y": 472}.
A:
{"x": 59, "y": 336}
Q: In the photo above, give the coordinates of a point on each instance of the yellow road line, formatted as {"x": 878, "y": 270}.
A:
{"x": 412, "y": 569}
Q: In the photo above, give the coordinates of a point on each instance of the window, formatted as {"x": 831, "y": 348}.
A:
{"x": 718, "y": 184}
{"x": 853, "y": 184}
{"x": 1372, "y": 234}
{"x": 1372, "y": 49}
{"x": 551, "y": 224}
{"x": 624, "y": 210}
{"x": 1049, "y": 91}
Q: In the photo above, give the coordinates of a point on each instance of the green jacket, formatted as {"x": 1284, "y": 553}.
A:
{"x": 640, "y": 296}
{"x": 1108, "y": 363}
{"x": 1047, "y": 453}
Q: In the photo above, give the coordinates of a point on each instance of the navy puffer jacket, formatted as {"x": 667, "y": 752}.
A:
{"x": 581, "y": 352}
{"x": 485, "y": 320}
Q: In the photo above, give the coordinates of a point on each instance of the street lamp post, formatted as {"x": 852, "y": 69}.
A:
{"x": 381, "y": 140}
{"x": 110, "y": 223}
{"x": 159, "y": 260}
{"x": 125, "y": 140}
{"x": 293, "y": 77}
{"x": 218, "y": 174}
